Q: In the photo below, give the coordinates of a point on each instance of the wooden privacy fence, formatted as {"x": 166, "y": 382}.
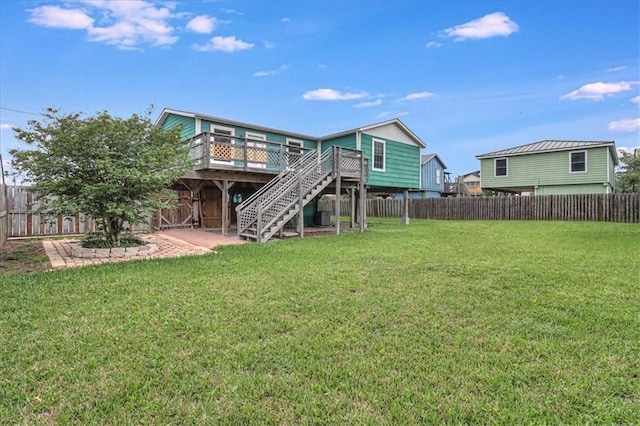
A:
{"x": 4, "y": 212}
{"x": 575, "y": 207}
{"x": 25, "y": 221}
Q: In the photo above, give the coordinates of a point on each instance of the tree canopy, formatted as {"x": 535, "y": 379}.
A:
{"x": 116, "y": 170}
{"x": 628, "y": 178}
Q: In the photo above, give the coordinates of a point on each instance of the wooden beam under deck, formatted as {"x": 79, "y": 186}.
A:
{"x": 233, "y": 176}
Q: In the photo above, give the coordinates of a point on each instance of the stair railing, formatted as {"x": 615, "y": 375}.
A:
{"x": 248, "y": 209}
{"x": 270, "y": 209}
{"x": 274, "y": 200}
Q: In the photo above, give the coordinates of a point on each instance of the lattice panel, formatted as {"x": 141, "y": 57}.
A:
{"x": 195, "y": 153}
{"x": 257, "y": 155}
{"x": 238, "y": 153}
{"x": 222, "y": 151}
{"x": 274, "y": 157}
{"x": 350, "y": 166}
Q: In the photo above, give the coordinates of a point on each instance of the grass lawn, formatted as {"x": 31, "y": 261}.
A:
{"x": 477, "y": 322}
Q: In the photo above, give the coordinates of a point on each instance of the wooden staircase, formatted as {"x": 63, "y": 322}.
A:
{"x": 269, "y": 209}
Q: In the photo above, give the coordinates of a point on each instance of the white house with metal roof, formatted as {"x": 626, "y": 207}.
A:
{"x": 551, "y": 167}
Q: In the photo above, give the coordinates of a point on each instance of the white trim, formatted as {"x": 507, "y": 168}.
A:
{"x": 585, "y": 162}
{"x": 359, "y": 140}
{"x": 289, "y": 149}
{"x": 212, "y": 129}
{"x": 198, "y": 127}
{"x": 257, "y": 137}
{"x": 373, "y": 154}
{"x": 609, "y": 172}
{"x": 495, "y": 167}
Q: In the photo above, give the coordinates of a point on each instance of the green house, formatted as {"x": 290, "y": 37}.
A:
{"x": 392, "y": 151}
{"x": 261, "y": 179}
{"x": 551, "y": 167}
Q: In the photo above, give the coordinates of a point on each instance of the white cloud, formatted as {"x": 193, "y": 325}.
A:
{"x": 614, "y": 69}
{"x": 433, "y": 45}
{"x": 628, "y": 150}
{"x": 625, "y": 125}
{"x": 224, "y": 44}
{"x": 285, "y": 19}
{"x": 417, "y": 95}
{"x": 331, "y": 95}
{"x": 202, "y": 24}
{"x": 232, "y": 12}
{"x": 269, "y": 73}
{"x": 598, "y": 91}
{"x": 6, "y": 126}
{"x": 368, "y": 104}
{"x": 57, "y": 17}
{"x": 268, "y": 44}
{"x": 126, "y": 24}
{"x": 636, "y": 100}
{"x": 495, "y": 24}
{"x": 385, "y": 114}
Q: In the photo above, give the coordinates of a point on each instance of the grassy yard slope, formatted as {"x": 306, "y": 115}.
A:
{"x": 478, "y": 322}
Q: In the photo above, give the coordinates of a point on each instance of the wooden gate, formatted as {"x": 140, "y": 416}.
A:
{"x": 181, "y": 216}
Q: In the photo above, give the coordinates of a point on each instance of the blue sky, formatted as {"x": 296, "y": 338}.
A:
{"x": 467, "y": 77}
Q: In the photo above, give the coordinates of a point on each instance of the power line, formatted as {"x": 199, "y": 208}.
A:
{"x": 21, "y": 112}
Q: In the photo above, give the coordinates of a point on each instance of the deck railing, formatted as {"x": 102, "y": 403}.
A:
{"x": 219, "y": 151}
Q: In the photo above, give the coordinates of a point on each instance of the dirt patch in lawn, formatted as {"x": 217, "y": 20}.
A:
{"x": 22, "y": 257}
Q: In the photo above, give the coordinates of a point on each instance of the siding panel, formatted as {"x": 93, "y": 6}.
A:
{"x": 550, "y": 168}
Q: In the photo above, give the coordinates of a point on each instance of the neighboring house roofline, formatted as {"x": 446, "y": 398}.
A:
{"x": 166, "y": 111}
{"x": 425, "y": 158}
{"x": 396, "y": 121}
{"x": 551, "y": 146}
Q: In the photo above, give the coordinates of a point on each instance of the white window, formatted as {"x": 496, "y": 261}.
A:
{"x": 379, "y": 155}
{"x": 578, "y": 162}
{"x": 438, "y": 179}
{"x": 257, "y": 155}
{"x": 221, "y": 144}
{"x": 294, "y": 150}
{"x": 500, "y": 167}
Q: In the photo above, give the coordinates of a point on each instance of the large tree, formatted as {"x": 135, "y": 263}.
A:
{"x": 628, "y": 178}
{"x": 116, "y": 170}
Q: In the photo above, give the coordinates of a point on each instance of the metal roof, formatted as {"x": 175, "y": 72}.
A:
{"x": 551, "y": 146}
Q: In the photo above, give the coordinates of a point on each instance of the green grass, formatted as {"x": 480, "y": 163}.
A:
{"x": 457, "y": 322}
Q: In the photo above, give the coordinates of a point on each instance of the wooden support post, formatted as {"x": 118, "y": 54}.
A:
{"x": 224, "y": 187}
{"x": 405, "y": 207}
{"x": 352, "y": 201}
{"x": 301, "y": 207}
{"x": 337, "y": 167}
{"x": 362, "y": 195}
{"x": 363, "y": 207}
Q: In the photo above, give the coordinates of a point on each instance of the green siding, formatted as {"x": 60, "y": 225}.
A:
{"x": 591, "y": 188}
{"x": 348, "y": 141}
{"x": 549, "y": 168}
{"x": 188, "y": 125}
{"x": 402, "y": 161}
{"x": 280, "y": 138}
{"x": 402, "y": 164}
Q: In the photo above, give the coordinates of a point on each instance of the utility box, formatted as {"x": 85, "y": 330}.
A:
{"x": 322, "y": 218}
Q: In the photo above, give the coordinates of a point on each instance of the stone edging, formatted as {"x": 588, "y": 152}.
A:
{"x": 98, "y": 253}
